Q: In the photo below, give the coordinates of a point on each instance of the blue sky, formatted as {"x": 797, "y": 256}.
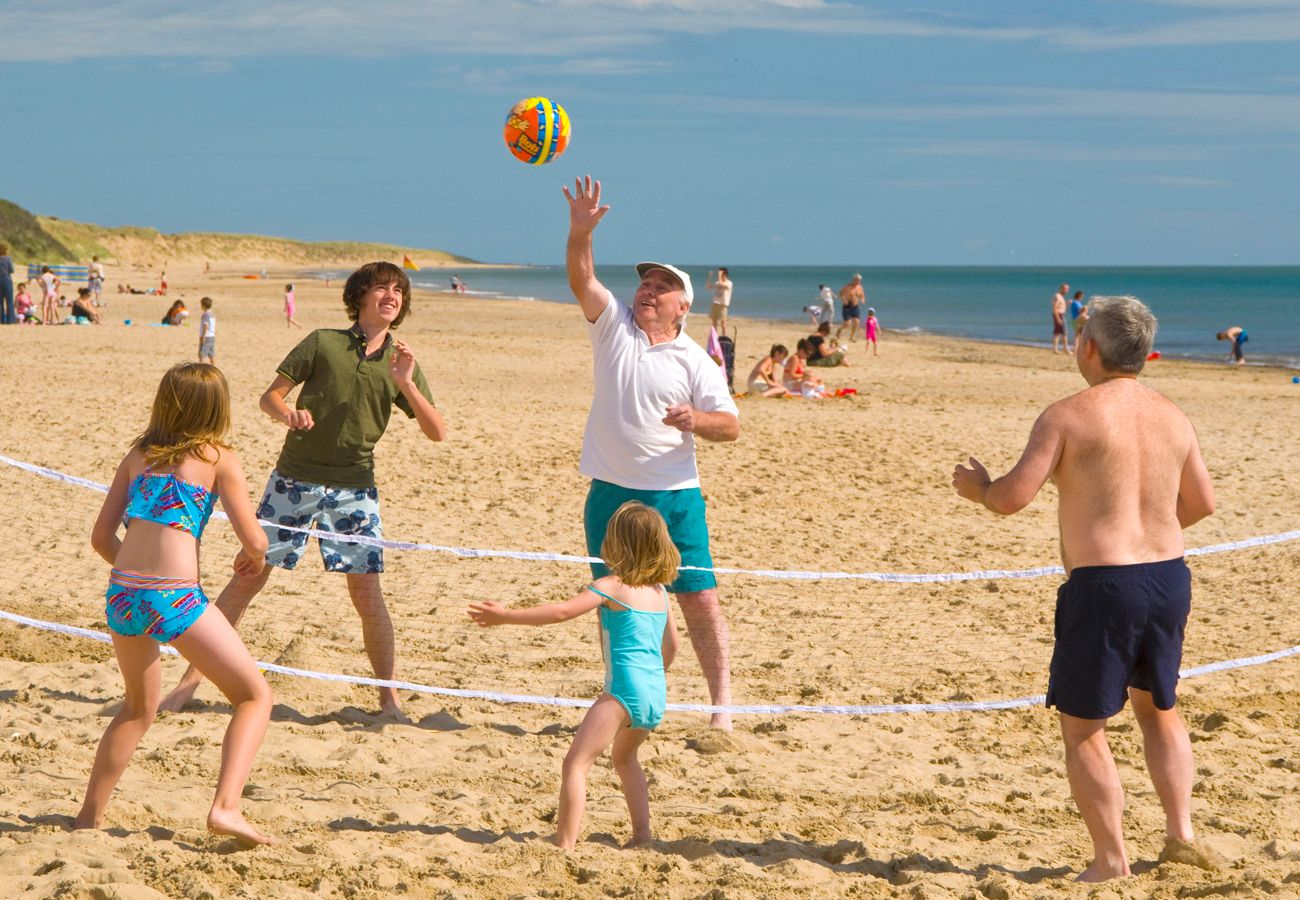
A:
{"x": 728, "y": 131}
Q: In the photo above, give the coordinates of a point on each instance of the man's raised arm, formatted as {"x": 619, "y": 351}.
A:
{"x": 585, "y": 213}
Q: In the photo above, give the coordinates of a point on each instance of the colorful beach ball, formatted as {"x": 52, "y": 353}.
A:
{"x": 537, "y": 130}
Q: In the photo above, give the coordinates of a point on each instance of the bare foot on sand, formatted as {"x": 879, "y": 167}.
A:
{"x": 392, "y": 712}
{"x": 233, "y": 824}
{"x": 85, "y": 820}
{"x": 1190, "y": 853}
{"x": 720, "y": 721}
{"x": 1095, "y": 873}
{"x": 635, "y": 842}
{"x": 180, "y": 695}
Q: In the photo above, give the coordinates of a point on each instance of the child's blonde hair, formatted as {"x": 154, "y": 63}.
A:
{"x": 190, "y": 411}
{"x": 637, "y": 547}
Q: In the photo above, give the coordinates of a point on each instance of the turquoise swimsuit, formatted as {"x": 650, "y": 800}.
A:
{"x": 161, "y": 608}
{"x": 632, "y": 642}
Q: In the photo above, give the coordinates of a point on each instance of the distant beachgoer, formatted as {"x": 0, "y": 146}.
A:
{"x": 1238, "y": 336}
{"x": 852, "y": 296}
{"x": 49, "y": 296}
{"x": 763, "y": 380}
{"x": 7, "y": 314}
{"x": 871, "y": 330}
{"x": 721, "y": 298}
{"x": 1058, "y": 320}
{"x": 639, "y": 641}
{"x": 23, "y": 306}
{"x": 656, "y": 395}
{"x": 1078, "y": 313}
{"x": 95, "y": 280}
{"x": 207, "y": 268}
{"x": 176, "y": 314}
{"x": 825, "y": 349}
{"x": 290, "y": 306}
{"x": 1129, "y": 474}
{"x": 84, "y": 308}
{"x": 797, "y": 379}
{"x": 458, "y": 285}
{"x": 207, "y": 333}
{"x": 162, "y": 284}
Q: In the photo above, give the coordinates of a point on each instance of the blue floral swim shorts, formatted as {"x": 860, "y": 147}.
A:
{"x": 302, "y": 504}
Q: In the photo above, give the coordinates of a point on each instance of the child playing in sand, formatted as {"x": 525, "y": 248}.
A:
{"x": 166, "y": 488}
{"x": 1129, "y": 473}
{"x": 325, "y": 477}
{"x": 207, "y": 332}
{"x": 871, "y": 330}
{"x": 797, "y": 379}
{"x": 640, "y": 639}
{"x": 763, "y": 380}
{"x": 290, "y": 306}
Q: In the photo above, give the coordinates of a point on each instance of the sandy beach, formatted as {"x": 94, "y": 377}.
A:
{"x": 905, "y": 804}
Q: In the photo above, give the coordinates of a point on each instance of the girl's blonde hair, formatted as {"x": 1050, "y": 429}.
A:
{"x": 637, "y": 547}
{"x": 190, "y": 412}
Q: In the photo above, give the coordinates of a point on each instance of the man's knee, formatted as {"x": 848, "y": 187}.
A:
{"x": 1076, "y": 731}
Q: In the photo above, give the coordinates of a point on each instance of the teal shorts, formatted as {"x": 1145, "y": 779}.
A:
{"x": 683, "y": 510}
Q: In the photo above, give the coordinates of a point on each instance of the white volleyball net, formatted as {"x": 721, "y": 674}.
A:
{"x": 832, "y": 642}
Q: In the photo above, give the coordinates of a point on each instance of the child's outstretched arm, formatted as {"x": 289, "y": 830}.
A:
{"x": 488, "y": 612}
{"x": 401, "y": 365}
{"x": 103, "y": 536}
{"x": 671, "y": 640}
{"x": 274, "y": 405}
{"x": 232, "y": 488}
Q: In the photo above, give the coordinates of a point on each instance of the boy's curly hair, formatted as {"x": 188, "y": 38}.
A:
{"x": 369, "y": 275}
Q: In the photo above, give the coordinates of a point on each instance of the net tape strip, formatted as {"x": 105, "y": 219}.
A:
{"x": 789, "y": 575}
{"x": 739, "y": 709}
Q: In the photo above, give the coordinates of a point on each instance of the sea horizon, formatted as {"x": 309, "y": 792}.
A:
{"x": 1000, "y": 304}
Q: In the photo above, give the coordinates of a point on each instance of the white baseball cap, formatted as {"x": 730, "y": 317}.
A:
{"x": 643, "y": 267}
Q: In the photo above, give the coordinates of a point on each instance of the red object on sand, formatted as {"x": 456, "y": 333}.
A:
{"x": 1154, "y": 354}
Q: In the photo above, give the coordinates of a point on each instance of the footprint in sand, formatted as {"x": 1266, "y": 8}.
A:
{"x": 714, "y": 742}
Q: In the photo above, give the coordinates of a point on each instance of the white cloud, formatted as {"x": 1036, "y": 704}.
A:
{"x": 75, "y": 29}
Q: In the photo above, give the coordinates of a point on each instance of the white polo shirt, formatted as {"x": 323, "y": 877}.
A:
{"x": 626, "y": 442}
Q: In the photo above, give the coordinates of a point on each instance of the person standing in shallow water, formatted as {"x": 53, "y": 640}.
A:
{"x": 1128, "y": 470}
{"x": 656, "y": 391}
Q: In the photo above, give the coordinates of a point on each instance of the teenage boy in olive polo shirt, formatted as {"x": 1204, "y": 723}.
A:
{"x": 324, "y": 479}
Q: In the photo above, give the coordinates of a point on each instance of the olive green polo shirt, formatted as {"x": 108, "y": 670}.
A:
{"x": 350, "y": 397}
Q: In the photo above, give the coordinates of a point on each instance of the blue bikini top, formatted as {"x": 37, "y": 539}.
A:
{"x": 167, "y": 500}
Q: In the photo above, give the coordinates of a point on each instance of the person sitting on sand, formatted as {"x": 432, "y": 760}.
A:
{"x": 762, "y": 380}
{"x": 825, "y": 349}
{"x": 23, "y": 306}
{"x": 796, "y": 377}
{"x": 639, "y": 641}
{"x": 1128, "y": 470}
{"x": 176, "y": 315}
{"x": 83, "y": 306}
{"x": 1238, "y": 336}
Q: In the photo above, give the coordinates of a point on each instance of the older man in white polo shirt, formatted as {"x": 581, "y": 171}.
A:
{"x": 656, "y": 391}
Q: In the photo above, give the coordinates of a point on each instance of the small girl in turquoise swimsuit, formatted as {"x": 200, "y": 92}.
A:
{"x": 638, "y": 640}
{"x": 164, "y": 491}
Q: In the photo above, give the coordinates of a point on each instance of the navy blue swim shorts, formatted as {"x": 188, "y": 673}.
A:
{"x": 1119, "y": 627}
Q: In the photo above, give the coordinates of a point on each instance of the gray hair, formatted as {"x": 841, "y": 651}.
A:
{"x": 1123, "y": 329}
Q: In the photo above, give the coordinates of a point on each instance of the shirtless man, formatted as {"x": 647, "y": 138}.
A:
{"x": 1058, "y": 320}
{"x": 1129, "y": 472}
{"x": 852, "y": 296}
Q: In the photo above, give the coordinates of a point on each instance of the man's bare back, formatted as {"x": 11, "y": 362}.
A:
{"x": 1124, "y": 452}
{"x": 1126, "y": 462}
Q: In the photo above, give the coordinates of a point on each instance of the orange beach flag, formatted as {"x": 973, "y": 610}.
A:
{"x": 408, "y": 263}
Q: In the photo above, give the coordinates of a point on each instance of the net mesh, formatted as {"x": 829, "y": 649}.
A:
{"x": 808, "y": 642}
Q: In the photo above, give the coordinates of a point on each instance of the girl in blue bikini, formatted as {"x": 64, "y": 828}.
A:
{"x": 638, "y": 640}
{"x": 164, "y": 491}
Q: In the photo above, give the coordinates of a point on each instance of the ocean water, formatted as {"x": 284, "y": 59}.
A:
{"x": 1008, "y": 304}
